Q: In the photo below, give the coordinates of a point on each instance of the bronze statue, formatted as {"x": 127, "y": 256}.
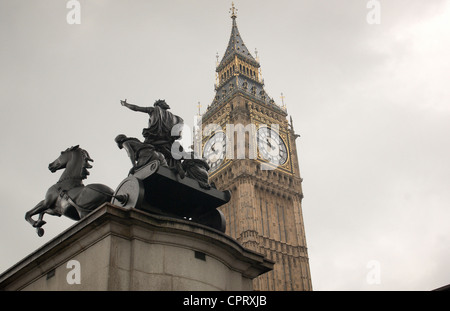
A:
{"x": 162, "y": 127}
{"x": 197, "y": 169}
{"x": 163, "y": 132}
{"x": 156, "y": 182}
{"x": 140, "y": 153}
{"x": 69, "y": 197}
{"x": 159, "y": 186}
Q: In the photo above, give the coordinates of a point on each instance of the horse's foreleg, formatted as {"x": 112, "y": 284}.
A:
{"x": 38, "y": 209}
{"x": 40, "y": 222}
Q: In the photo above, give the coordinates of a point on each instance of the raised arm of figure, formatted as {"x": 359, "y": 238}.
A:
{"x": 135, "y": 107}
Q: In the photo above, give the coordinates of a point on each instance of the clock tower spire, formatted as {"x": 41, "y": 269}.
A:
{"x": 265, "y": 211}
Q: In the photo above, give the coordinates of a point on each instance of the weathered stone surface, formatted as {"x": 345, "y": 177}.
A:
{"x": 128, "y": 249}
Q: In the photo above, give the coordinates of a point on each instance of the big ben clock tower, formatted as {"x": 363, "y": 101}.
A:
{"x": 250, "y": 147}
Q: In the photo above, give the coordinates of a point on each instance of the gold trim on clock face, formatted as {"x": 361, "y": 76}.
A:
{"x": 271, "y": 146}
{"x": 214, "y": 150}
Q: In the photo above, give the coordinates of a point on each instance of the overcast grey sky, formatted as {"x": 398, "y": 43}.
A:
{"x": 371, "y": 103}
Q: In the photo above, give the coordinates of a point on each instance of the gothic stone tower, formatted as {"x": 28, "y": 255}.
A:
{"x": 251, "y": 151}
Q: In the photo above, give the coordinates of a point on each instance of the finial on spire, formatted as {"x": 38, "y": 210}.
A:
{"x": 283, "y": 105}
{"x": 233, "y": 11}
{"x": 199, "y": 106}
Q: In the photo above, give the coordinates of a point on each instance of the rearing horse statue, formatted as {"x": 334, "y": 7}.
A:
{"x": 69, "y": 197}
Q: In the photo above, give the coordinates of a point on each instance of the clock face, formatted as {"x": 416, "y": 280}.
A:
{"x": 214, "y": 151}
{"x": 271, "y": 146}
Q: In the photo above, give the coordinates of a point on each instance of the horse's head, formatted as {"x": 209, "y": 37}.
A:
{"x": 75, "y": 155}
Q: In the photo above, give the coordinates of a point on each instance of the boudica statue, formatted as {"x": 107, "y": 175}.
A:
{"x": 161, "y": 138}
{"x": 162, "y": 128}
{"x": 69, "y": 197}
{"x": 163, "y": 179}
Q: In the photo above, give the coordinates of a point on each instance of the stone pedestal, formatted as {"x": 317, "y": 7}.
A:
{"x": 126, "y": 249}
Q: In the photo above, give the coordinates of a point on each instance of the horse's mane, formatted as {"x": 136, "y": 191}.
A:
{"x": 85, "y": 158}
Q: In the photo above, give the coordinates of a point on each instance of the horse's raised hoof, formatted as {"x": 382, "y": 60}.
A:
{"x": 40, "y": 232}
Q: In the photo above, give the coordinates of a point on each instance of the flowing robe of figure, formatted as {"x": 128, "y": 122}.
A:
{"x": 161, "y": 125}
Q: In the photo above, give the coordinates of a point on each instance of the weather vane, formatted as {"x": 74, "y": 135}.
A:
{"x": 233, "y": 10}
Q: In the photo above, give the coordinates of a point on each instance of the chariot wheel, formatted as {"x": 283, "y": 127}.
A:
{"x": 132, "y": 189}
